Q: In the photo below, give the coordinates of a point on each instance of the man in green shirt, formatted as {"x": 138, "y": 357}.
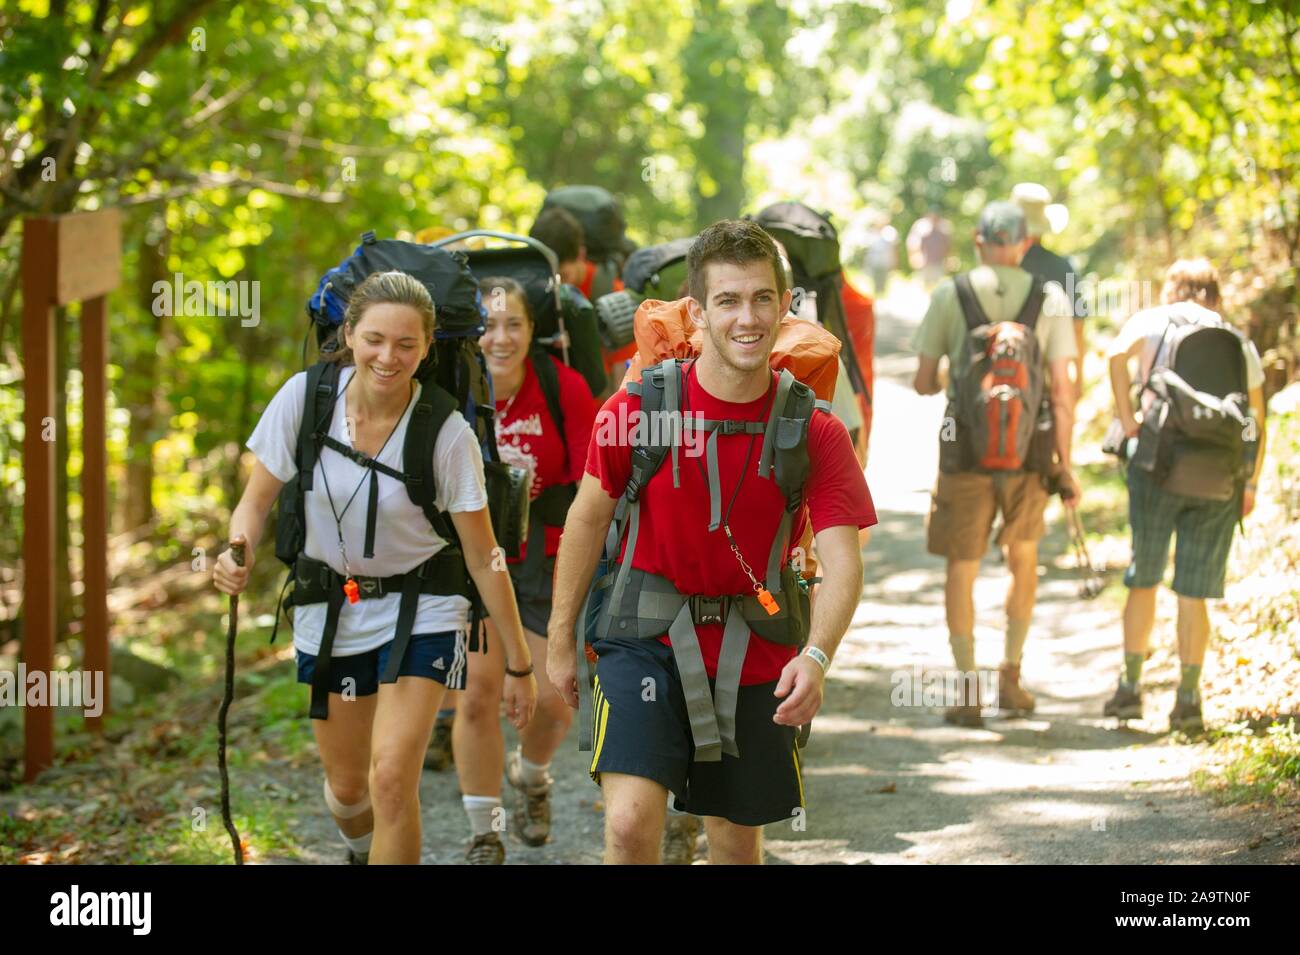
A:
{"x": 965, "y": 504}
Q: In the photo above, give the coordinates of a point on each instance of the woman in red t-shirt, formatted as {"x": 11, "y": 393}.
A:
{"x": 530, "y": 388}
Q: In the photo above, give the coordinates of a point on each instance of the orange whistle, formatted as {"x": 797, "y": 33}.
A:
{"x": 354, "y": 592}
{"x": 768, "y": 602}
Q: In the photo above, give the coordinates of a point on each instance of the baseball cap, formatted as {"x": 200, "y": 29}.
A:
{"x": 1002, "y": 223}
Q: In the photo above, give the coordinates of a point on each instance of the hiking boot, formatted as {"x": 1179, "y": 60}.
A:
{"x": 1126, "y": 704}
{"x": 486, "y": 850}
{"x": 967, "y": 712}
{"x": 1186, "y": 715}
{"x": 1012, "y": 697}
{"x": 358, "y": 858}
{"x": 532, "y": 817}
{"x": 680, "y": 834}
{"x": 438, "y": 756}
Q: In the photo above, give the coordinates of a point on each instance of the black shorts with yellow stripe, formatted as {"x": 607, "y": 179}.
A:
{"x": 641, "y": 728}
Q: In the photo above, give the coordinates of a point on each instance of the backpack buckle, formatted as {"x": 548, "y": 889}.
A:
{"x": 708, "y": 609}
{"x": 732, "y": 426}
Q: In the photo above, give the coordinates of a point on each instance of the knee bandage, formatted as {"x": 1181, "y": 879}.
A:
{"x": 342, "y": 811}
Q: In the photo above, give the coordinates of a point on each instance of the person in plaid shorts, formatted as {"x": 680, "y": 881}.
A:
{"x": 1204, "y": 528}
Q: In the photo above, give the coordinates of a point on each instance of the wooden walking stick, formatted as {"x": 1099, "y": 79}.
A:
{"x": 236, "y": 552}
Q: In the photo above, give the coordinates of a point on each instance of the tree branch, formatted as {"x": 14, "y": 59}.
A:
{"x": 167, "y": 34}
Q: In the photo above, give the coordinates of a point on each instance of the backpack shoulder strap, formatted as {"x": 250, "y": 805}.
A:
{"x": 430, "y": 413}
{"x": 971, "y": 309}
{"x": 1033, "y": 306}
{"x": 548, "y": 379}
{"x": 317, "y": 415}
{"x": 792, "y": 415}
{"x": 660, "y": 391}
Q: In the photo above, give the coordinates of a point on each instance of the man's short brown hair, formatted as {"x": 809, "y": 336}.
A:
{"x": 735, "y": 241}
{"x": 1192, "y": 280}
{"x": 561, "y": 232}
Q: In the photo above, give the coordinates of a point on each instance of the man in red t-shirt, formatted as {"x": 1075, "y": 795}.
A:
{"x": 643, "y": 737}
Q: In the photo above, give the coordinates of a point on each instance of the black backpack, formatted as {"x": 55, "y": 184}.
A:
{"x": 561, "y": 313}
{"x": 813, "y": 246}
{"x": 1198, "y": 438}
{"x": 604, "y": 231}
{"x": 566, "y": 321}
{"x": 654, "y": 271}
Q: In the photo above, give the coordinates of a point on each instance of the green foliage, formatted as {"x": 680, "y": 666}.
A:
{"x": 1254, "y": 767}
{"x": 254, "y": 142}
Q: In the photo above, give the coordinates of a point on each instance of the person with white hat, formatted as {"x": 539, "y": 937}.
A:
{"x": 1033, "y": 200}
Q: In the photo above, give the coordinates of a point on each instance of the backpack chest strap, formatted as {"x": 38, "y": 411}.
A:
{"x": 372, "y": 497}
{"x": 714, "y": 428}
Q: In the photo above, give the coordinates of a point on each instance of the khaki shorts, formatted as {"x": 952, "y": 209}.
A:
{"x": 963, "y": 506}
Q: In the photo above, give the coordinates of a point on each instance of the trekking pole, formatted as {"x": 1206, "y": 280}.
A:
{"x": 237, "y": 553}
{"x": 1091, "y": 585}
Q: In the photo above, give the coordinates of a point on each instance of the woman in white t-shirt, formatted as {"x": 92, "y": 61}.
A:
{"x": 372, "y": 743}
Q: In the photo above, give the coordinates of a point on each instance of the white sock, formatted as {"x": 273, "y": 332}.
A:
{"x": 534, "y": 774}
{"x": 358, "y": 844}
{"x": 482, "y": 812}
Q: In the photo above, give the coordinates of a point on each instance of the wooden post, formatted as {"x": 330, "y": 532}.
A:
{"x": 94, "y": 494}
{"x": 65, "y": 259}
{"x": 38, "y": 478}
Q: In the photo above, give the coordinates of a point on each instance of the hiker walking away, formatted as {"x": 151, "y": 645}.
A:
{"x": 373, "y": 734}
{"x": 544, "y": 415}
{"x": 881, "y": 256}
{"x": 929, "y": 243}
{"x": 1033, "y": 200}
{"x": 699, "y": 687}
{"x": 1193, "y": 470}
{"x": 998, "y": 451}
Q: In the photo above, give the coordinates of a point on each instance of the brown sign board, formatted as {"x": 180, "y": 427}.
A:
{"x": 87, "y": 254}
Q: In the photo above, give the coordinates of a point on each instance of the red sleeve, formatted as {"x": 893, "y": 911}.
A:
{"x": 579, "y": 410}
{"x": 609, "y": 455}
{"x": 836, "y": 491}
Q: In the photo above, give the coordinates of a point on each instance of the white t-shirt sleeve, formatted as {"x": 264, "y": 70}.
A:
{"x": 1137, "y": 327}
{"x": 274, "y": 441}
{"x": 458, "y": 468}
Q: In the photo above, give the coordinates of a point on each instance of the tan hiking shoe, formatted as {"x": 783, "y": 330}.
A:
{"x": 1012, "y": 697}
{"x": 680, "y": 835}
{"x": 486, "y": 850}
{"x": 967, "y": 712}
{"x": 438, "y": 756}
{"x": 533, "y": 810}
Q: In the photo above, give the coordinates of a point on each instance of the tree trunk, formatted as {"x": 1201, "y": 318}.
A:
{"x": 140, "y": 380}
{"x": 724, "y": 102}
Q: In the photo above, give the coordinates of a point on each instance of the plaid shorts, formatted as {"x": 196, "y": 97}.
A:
{"x": 1204, "y": 529}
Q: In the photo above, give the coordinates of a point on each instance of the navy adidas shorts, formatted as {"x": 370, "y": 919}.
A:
{"x": 436, "y": 656}
{"x": 640, "y": 728}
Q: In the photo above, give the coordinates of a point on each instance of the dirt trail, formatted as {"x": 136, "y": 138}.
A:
{"x": 895, "y": 784}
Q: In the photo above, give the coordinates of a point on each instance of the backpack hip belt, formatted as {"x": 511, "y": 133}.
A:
{"x": 652, "y": 606}
{"x": 443, "y": 574}
{"x": 628, "y": 602}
